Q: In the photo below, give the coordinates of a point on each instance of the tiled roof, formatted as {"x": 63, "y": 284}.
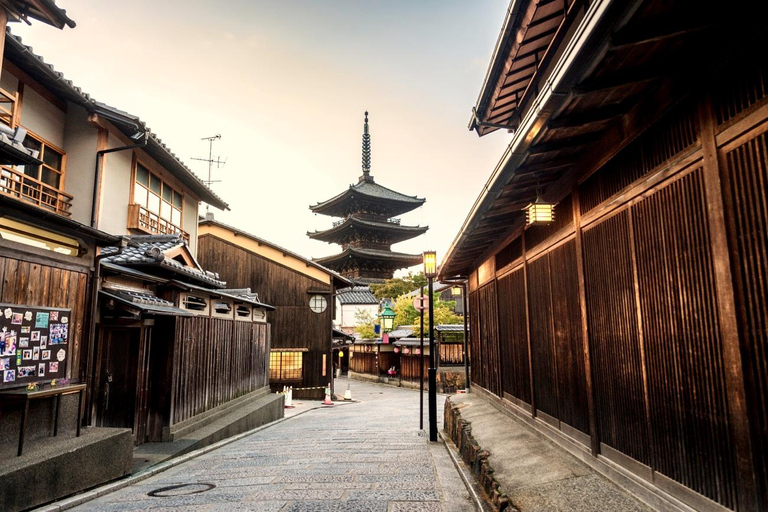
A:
{"x": 46, "y": 74}
{"x": 373, "y": 191}
{"x": 356, "y": 295}
{"x": 149, "y": 250}
{"x": 146, "y": 302}
{"x": 401, "y": 333}
{"x": 395, "y": 231}
{"x": 376, "y": 254}
{"x": 450, "y": 327}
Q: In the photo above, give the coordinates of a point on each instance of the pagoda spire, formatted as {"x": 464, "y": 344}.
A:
{"x": 366, "y": 152}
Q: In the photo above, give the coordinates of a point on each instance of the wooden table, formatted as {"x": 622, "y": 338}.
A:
{"x": 21, "y": 395}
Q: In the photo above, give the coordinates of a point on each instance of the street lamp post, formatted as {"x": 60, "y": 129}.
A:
{"x": 430, "y": 271}
{"x": 460, "y": 290}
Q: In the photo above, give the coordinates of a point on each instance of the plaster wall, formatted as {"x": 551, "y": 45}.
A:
{"x": 346, "y": 314}
{"x": 43, "y": 118}
{"x": 189, "y": 221}
{"x": 80, "y": 143}
{"x": 9, "y": 82}
{"x": 115, "y": 189}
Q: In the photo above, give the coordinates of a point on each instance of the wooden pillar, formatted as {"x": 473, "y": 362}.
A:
{"x": 594, "y": 436}
{"x": 726, "y": 306}
{"x": 3, "y": 24}
{"x": 528, "y": 329}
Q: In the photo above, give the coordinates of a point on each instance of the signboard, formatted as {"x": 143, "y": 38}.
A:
{"x": 421, "y": 303}
{"x": 34, "y": 344}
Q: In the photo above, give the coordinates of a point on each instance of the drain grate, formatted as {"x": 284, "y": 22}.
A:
{"x": 180, "y": 490}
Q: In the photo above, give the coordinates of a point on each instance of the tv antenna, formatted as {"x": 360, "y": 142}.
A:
{"x": 211, "y": 161}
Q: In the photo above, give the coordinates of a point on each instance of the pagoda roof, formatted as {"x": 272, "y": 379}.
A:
{"x": 401, "y": 259}
{"x": 367, "y": 190}
{"x": 397, "y": 232}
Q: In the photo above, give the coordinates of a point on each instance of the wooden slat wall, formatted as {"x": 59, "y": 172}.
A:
{"x": 489, "y": 338}
{"x": 542, "y": 337}
{"x": 217, "y": 360}
{"x": 683, "y": 352}
{"x": 409, "y": 368}
{"x": 294, "y": 325}
{"x": 513, "y": 336}
{"x": 665, "y": 368}
{"x": 746, "y": 167}
{"x": 477, "y": 373}
{"x": 568, "y": 341}
{"x": 451, "y": 354}
{"x": 363, "y": 362}
{"x": 35, "y": 284}
{"x": 614, "y": 338}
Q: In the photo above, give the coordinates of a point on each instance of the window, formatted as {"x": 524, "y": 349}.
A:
{"x": 259, "y": 315}
{"x": 317, "y": 303}
{"x": 284, "y": 366}
{"x": 51, "y": 172}
{"x": 37, "y": 237}
{"x": 222, "y": 309}
{"x": 243, "y": 312}
{"x": 195, "y": 303}
{"x": 150, "y": 192}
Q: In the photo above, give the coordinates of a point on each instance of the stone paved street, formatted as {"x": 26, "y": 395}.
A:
{"x": 364, "y": 456}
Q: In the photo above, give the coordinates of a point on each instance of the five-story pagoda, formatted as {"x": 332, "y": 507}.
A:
{"x": 368, "y": 227}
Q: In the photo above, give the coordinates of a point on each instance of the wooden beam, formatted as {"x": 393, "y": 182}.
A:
{"x": 619, "y": 79}
{"x": 599, "y": 115}
{"x": 716, "y": 187}
{"x": 653, "y": 34}
{"x": 557, "y": 145}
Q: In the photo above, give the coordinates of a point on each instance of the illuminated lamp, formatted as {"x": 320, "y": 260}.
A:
{"x": 387, "y": 317}
{"x": 406, "y": 351}
{"x": 397, "y": 350}
{"x": 539, "y": 213}
{"x": 430, "y": 264}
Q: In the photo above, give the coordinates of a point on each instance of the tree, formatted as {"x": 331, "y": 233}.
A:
{"x": 395, "y": 287}
{"x": 406, "y": 314}
{"x": 366, "y": 324}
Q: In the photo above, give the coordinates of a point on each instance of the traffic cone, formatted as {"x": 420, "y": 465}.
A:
{"x": 288, "y": 397}
{"x": 347, "y": 394}
{"x": 328, "y": 400}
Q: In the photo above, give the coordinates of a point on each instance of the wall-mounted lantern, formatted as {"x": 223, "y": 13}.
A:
{"x": 539, "y": 213}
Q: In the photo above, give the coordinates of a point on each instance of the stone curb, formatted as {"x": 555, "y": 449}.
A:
{"x": 481, "y": 502}
{"x": 460, "y": 432}
{"x": 79, "y": 499}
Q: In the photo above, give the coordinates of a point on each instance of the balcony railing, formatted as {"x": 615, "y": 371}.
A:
{"x": 144, "y": 220}
{"x": 17, "y": 184}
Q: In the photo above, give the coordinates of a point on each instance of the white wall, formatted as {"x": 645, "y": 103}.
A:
{"x": 80, "y": 144}
{"x": 346, "y": 314}
{"x": 42, "y": 117}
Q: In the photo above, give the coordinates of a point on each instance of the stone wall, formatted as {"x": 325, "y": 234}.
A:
{"x": 460, "y": 432}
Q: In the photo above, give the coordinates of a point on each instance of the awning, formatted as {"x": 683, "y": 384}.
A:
{"x": 144, "y": 306}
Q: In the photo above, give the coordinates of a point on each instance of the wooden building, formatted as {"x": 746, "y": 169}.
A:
{"x": 631, "y": 329}
{"x": 301, "y": 290}
{"x": 367, "y": 228}
{"x": 174, "y": 344}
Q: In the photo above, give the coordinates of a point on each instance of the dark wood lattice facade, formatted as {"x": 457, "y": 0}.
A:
{"x": 635, "y": 324}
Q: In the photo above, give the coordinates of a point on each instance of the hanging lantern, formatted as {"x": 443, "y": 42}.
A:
{"x": 397, "y": 350}
{"x": 456, "y": 291}
{"x": 406, "y": 351}
{"x": 387, "y": 317}
{"x": 417, "y": 351}
{"x": 539, "y": 212}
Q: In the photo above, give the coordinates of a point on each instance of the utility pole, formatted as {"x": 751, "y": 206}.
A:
{"x": 211, "y": 161}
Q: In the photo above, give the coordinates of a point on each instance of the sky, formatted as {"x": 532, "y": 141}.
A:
{"x": 285, "y": 83}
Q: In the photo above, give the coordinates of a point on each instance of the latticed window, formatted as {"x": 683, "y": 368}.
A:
{"x": 285, "y": 365}
{"x": 150, "y": 192}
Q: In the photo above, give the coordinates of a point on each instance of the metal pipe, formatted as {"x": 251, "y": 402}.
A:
{"x": 432, "y": 370}
{"x": 421, "y": 364}
{"x": 97, "y": 175}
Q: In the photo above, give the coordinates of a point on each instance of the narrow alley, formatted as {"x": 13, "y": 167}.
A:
{"x": 365, "y": 455}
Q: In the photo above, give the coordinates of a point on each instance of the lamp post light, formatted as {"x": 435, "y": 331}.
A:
{"x": 387, "y": 317}
{"x": 430, "y": 272}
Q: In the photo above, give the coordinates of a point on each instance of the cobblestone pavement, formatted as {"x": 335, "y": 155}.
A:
{"x": 364, "y": 456}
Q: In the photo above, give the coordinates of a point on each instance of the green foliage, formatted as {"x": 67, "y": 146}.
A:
{"x": 394, "y": 288}
{"x": 365, "y": 324}
{"x": 408, "y": 315}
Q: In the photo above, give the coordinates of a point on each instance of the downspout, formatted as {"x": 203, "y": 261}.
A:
{"x": 97, "y": 175}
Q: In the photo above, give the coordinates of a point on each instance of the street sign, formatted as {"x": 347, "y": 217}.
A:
{"x": 421, "y": 303}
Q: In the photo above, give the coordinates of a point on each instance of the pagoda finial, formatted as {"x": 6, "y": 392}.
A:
{"x": 366, "y": 152}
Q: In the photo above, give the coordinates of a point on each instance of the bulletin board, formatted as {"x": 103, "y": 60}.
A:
{"x": 34, "y": 344}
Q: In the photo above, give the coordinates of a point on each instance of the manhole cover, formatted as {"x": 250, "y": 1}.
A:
{"x": 180, "y": 490}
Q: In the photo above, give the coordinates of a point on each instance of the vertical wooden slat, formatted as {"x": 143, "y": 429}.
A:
{"x": 738, "y": 213}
